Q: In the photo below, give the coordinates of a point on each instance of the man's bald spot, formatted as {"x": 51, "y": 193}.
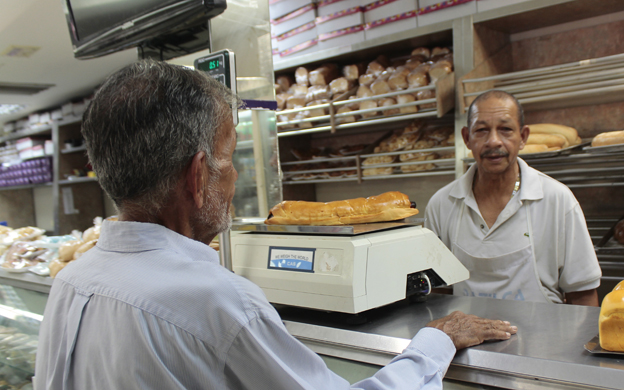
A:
{"x": 496, "y": 94}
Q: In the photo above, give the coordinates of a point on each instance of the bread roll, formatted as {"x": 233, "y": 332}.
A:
{"x": 423, "y": 51}
{"x": 389, "y": 206}
{"x": 367, "y": 105}
{"x": 295, "y": 102}
{"x": 67, "y": 249}
{"x": 550, "y": 140}
{"x": 318, "y": 92}
{"x": 407, "y": 98}
{"x": 346, "y": 118}
{"x": 426, "y": 94}
{"x": 284, "y": 82}
{"x": 367, "y": 79}
{"x": 440, "y": 70}
{"x": 353, "y": 72}
{"x": 414, "y": 62}
{"x": 83, "y": 248}
{"x": 549, "y": 128}
{"x": 385, "y": 102}
{"x": 340, "y": 85}
{"x": 528, "y": 149}
{"x": 380, "y": 86}
{"x": 398, "y": 79}
{"x": 377, "y": 171}
{"x": 417, "y": 79}
{"x": 323, "y": 75}
{"x": 376, "y": 160}
{"x": 301, "y": 76}
{"x": 608, "y": 138}
{"x": 298, "y": 90}
{"x": 611, "y": 320}
{"x": 364, "y": 91}
{"x": 440, "y": 51}
{"x": 281, "y": 99}
{"x": 92, "y": 233}
{"x": 375, "y": 68}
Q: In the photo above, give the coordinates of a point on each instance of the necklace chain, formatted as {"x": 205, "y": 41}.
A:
{"x": 516, "y": 186}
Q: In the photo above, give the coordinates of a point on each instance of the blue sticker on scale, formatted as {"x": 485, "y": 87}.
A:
{"x": 291, "y": 259}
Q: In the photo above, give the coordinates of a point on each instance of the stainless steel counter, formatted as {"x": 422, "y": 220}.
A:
{"x": 547, "y": 352}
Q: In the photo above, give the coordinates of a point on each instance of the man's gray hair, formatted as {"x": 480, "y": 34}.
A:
{"x": 145, "y": 124}
{"x": 497, "y": 93}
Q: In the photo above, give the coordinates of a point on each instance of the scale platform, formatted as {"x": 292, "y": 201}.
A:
{"x": 339, "y": 230}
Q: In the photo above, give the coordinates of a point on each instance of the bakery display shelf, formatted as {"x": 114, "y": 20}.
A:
{"x": 587, "y": 82}
{"x": 69, "y": 120}
{"x": 77, "y": 180}
{"x": 35, "y": 130}
{"x": 443, "y": 102}
{"x": 26, "y": 280}
{"x": 24, "y": 187}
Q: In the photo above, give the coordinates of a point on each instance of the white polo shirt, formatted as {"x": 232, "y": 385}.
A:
{"x": 565, "y": 256}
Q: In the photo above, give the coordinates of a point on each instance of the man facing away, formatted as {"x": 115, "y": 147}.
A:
{"x": 521, "y": 234}
{"x": 149, "y": 307}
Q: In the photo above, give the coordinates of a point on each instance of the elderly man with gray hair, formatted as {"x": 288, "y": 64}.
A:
{"x": 149, "y": 307}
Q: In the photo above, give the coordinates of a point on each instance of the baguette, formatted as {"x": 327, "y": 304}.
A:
{"x": 608, "y": 138}
{"x": 389, "y": 206}
{"x": 550, "y": 140}
{"x": 569, "y": 133}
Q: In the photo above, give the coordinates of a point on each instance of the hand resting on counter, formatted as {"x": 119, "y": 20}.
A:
{"x": 466, "y": 330}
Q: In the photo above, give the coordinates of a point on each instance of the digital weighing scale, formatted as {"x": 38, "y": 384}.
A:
{"x": 347, "y": 269}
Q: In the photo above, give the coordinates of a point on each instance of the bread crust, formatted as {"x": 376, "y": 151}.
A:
{"x": 569, "y": 133}
{"x": 611, "y": 321}
{"x": 608, "y": 138}
{"x": 389, "y": 206}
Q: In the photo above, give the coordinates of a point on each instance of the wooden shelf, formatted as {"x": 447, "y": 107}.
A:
{"x": 27, "y": 133}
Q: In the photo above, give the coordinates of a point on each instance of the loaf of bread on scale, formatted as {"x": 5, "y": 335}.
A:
{"x": 389, "y": 206}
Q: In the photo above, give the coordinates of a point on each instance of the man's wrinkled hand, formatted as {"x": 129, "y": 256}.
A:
{"x": 466, "y": 330}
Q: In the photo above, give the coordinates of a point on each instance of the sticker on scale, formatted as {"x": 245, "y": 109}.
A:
{"x": 291, "y": 259}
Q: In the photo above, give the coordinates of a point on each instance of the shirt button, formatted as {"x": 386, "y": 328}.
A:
{"x": 482, "y": 226}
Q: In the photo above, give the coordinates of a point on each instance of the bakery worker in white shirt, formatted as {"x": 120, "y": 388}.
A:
{"x": 521, "y": 234}
{"x": 149, "y": 307}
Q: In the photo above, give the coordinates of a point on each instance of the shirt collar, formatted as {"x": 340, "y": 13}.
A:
{"x": 120, "y": 236}
{"x": 530, "y": 185}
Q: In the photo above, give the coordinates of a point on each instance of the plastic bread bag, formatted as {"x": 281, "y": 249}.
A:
{"x": 53, "y": 244}
{"x": 21, "y": 256}
{"x": 28, "y": 233}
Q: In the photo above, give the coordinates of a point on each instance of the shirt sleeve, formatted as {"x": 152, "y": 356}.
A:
{"x": 265, "y": 356}
{"x": 581, "y": 270}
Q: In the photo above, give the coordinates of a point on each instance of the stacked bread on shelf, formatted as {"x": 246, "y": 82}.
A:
{"x": 310, "y": 88}
{"x": 549, "y": 137}
{"x": 338, "y": 168}
{"x": 413, "y": 138}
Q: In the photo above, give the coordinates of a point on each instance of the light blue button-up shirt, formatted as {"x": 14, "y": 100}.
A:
{"x": 148, "y": 308}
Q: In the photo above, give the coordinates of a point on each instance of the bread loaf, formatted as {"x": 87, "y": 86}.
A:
{"x": 398, "y": 79}
{"x": 426, "y": 94}
{"x": 440, "y": 51}
{"x": 340, "y": 85}
{"x": 388, "y": 102}
{"x": 353, "y": 72}
{"x": 380, "y": 86}
{"x": 424, "y": 51}
{"x": 417, "y": 78}
{"x": 550, "y": 140}
{"x": 298, "y": 90}
{"x": 407, "y": 98}
{"x": 611, "y": 320}
{"x": 284, "y": 82}
{"x": 323, "y": 75}
{"x": 389, "y": 206}
{"x": 528, "y": 149}
{"x": 83, "y": 248}
{"x": 375, "y": 68}
{"x": 295, "y": 102}
{"x": 56, "y": 265}
{"x": 364, "y": 91}
{"x": 377, "y": 171}
{"x": 346, "y": 118}
{"x": 281, "y": 99}
{"x": 368, "y": 105}
{"x": 608, "y": 138}
{"x": 440, "y": 70}
{"x": 318, "y": 92}
{"x": 367, "y": 79}
{"x": 549, "y": 128}
{"x": 301, "y": 76}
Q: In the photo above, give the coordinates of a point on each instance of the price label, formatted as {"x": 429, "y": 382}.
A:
{"x": 291, "y": 259}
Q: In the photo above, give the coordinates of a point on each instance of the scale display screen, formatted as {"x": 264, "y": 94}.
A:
{"x": 221, "y": 66}
{"x": 291, "y": 259}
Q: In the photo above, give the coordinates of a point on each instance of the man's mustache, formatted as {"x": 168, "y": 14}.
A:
{"x": 494, "y": 153}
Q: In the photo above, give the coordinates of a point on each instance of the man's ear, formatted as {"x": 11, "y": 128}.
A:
{"x": 196, "y": 178}
{"x": 524, "y": 135}
{"x": 466, "y": 136}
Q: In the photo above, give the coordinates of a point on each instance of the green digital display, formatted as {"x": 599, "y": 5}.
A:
{"x": 214, "y": 64}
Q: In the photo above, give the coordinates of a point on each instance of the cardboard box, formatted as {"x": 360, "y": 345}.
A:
{"x": 297, "y": 36}
{"x": 433, "y": 11}
{"x": 28, "y": 142}
{"x": 344, "y": 37}
{"x": 402, "y": 22}
{"x": 383, "y": 9}
{"x": 45, "y": 118}
{"x": 303, "y": 48}
{"x": 295, "y": 19}
{"x": 340, "y": 20}
{"x": 57, "y": 114}
{"x": 279, "y": 8}
{"x": 33, "y": 119}
{"x": 49, "y": 147}
{"x": 328, "y": 7}
{"x": 486, "y": 5}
